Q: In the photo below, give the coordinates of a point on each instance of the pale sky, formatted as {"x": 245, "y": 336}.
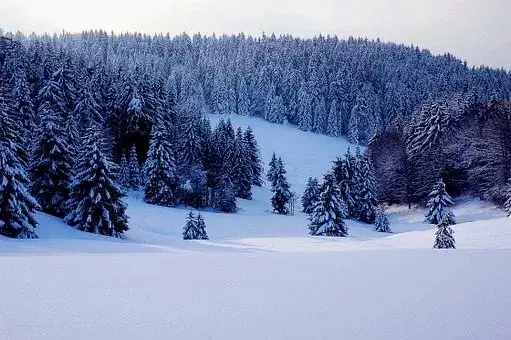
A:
{"x": 478, "y": 31}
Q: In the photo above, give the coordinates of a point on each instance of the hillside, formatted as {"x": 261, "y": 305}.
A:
{"x": 261, "y": 275}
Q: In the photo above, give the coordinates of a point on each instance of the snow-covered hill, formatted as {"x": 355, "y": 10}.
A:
{"x": 261, "y": 276}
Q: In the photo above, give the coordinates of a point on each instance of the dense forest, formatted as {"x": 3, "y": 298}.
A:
{"x": 94, "y": 107}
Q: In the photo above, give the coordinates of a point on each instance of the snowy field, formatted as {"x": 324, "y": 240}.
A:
{"x": 261, "y": 276}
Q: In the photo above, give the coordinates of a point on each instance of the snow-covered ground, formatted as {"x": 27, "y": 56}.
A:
{"x": 261, "y": 276}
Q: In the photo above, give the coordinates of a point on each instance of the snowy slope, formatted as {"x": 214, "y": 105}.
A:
{"x": 261, "y": 276}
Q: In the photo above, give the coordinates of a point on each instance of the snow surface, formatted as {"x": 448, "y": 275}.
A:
{"x": 260, "y": 276}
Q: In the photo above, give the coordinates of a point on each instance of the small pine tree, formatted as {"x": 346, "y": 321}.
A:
{"x": 327, "y": 216}
{"x": 51, "y": 165}
{"x": 96, "y": 202}
{"x": 438, "y": 206}
{"x": 134, "y": 179}
{"x": 366, "y": 196}
{"x": 444, "y": 238}
{"x": 272, "y": 169}
{"x": 381, "y": 222}
{"x": 123, "y": 173}
{"x": 195, "y": 228}
{"x": 311, "y": 195}
{"x": 223, "y": 197}
{"x": 201, "y": 228}
{"x": 507, "y": 205}
{"x": 281, "y": 192}
{"x": 161, "y": 172}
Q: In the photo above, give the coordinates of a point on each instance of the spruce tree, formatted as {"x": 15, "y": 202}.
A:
{"x": 134, "y": 179}
{"x": 96, "y": 201}
{"x": 327, "y": 216}
{"x": 241, "y": 169}
{"x": 195, "y": 228}
{"x": 123, "y": 174}
{"x": 224, "y": 199}
{"x": 381, "y": 222}
{"x": 366, "y": 195}
{"x": 16, "y": 204}
{"x": 161, "y": 172}
{"x": 343, "y": 177}
{"x": 507, "y": 204}
{"x": 310, "y": 195}
{"x": 254, "y": 157}
{"x": 272, "y": 169}
{"x": 444, "y": 238}
{"x": 280, "y": 189}
{"x": 438, "y": 205}
{"x": 51, "y": 164}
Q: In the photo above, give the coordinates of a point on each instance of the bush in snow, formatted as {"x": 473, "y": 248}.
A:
{"x": 327, "y": 217}
{"x": 443, "y": 236}
{"x": 96, "y": 201}
{"x": 381, "y": 222}
{"x": 195, "y": 228}
{"x": 438, "y": 206}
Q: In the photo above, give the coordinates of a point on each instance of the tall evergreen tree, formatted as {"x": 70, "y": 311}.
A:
{"x": 254, "y": 157}
{"x": 96, "y": 202}
{"x": 311, "y": 195}
{"x": 443, "y": 236}
{"x": 161, "y": 172}
{"x": 439, "y": 204}
{"x": 366, "y": 196}
{"x": 241, "y": 167}
{"x": 224, "y": 199}
{"x": 327, "y": 216}
{"x": 51, "y": 164}
{"x": 16, "y": 204}
{"x": 272, "y": 169}
{"x": 507, "y": 204}
{"x": 280, "y": 189}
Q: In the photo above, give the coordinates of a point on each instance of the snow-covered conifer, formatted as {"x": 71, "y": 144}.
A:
{"x": 310, "y": 195}
{"x": 254, "y": 157}
{"x": 201, "y": 228}
{"x": 444, "y": 238}
{"x": 272, "y": 169}
{"x": 381, "y": 222}
{"x": 123, "y": 174}
{"x": 134, "y": 173}
{"x": 327, "y": 216}
{"x": 224, "y": 199}
{"x": 439, "y": 204}
{"x": 51, "y": 164}
{"x": 366, "y": 195}
{"x": 241, "y": 167}
{"x": 280, "y": 189}
{"x": 507, "y": 204}
{"x": 160, "y": 169}
{"x": 96, "y": 202}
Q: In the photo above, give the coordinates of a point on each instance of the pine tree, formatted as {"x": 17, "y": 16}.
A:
{"x": 201, "y": 228}
{"x": 311, "y": 195}
{"x": 224, "y": 199}
{"x": 438, "y": 206}
{"x": 16, "y": 204}
{"x": 96, "y": 202}
{"x": 381, "y": 222}
{"x": 342, "y": 171}
{"x": 195, "y": 228}
{"x": 241, "y": 168}
{"x": 280, "y": 189}
{"x": 366, "y": 195}
{"x": 161, "y": 172}
{"x": 254, "y": 157}
{"x": 443, "y": 236}
{"x": 134, "y": 180}
{"x": 123, "y": 175}
{"x": 272, "y": 170}
{"x": 51, "y": 164}
{"x": 507, "y": 205}
{"x": 327, "y": 216}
